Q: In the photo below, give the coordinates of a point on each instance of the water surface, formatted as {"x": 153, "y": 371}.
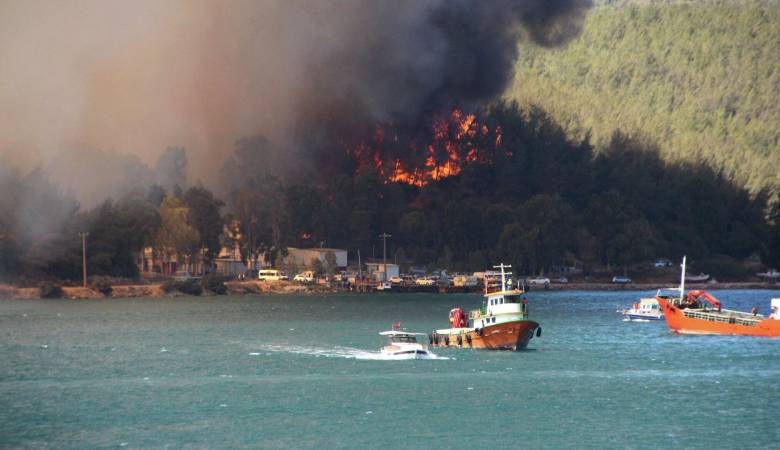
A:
{"x": 304, "y": 372}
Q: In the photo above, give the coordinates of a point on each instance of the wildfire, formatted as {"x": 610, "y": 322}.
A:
{"x": 456, "y": 139}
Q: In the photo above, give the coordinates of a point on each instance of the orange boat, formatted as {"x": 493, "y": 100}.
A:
{"x": 699, "y": 312}
{"x": 500, "y": 324}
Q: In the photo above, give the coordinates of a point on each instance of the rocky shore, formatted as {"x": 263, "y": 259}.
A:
{"x": 253, "y": 287}
{"x": 160, "y": 290}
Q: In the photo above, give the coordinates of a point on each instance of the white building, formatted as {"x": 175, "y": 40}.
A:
{"x": 376, "y": 271}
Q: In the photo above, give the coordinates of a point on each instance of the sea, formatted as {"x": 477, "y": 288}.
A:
{"x": 305, "y": 372}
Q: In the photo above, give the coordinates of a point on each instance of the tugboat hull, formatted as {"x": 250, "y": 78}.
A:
{"x": 503, "y": 336}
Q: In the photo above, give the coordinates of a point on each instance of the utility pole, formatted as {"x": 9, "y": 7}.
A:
{"x": 384, "y": 237}
{"x": 84, "y": 255}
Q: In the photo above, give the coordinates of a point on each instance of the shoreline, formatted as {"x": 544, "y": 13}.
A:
{"x": 8, "y": 292}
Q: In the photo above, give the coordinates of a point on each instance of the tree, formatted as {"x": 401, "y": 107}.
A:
{"x": 204, "y": 215}
{"x": 316, "y": 266}
{"x": 542, "y": 235}
{"x": 330, "y": 263}
{"x": 634, "y": 242}
{"x": 176, "y": 237}
{"x": 117, "y": 232}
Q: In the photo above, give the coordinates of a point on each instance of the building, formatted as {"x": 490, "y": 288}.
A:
{"x": 376, "y": 271}
{"x": 303, "y": 257}
{"x": 229, "y": 262}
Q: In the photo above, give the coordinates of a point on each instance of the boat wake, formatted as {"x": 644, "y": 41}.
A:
{"x": 334, "y": 352}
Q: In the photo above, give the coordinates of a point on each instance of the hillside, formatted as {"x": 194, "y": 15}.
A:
{"x": 702, "y": 79}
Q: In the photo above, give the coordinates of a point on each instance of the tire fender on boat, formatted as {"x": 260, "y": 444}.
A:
{"x": 460, "y": 340}
{"x": 539, "y": 332}
{"x": 468, "y": 339}
{"x": 446, "y": 340}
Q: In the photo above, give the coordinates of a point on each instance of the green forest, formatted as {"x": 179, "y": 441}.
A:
{"x": 700, "y": 78}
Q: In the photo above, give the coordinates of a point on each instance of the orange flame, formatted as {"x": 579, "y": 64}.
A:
{"x": 457, "y": 139}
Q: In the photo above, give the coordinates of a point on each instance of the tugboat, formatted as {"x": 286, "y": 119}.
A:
{"x": 689, "y": 314}
{"x": 500, "y": 324}
{"x": 403, "y": 344}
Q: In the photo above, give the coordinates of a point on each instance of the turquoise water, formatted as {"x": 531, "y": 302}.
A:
{"x": 304, "y": 372}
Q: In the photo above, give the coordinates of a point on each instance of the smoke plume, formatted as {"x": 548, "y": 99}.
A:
{"x": 134, "y": 78}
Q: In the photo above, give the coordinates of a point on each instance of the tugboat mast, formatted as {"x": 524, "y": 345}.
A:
{"x": 503, "y": 274}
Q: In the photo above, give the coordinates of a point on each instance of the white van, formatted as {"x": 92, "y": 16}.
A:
{"x": 271, "y": 275}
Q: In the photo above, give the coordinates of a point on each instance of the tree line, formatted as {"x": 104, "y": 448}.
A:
{"x": 542, "y": 201}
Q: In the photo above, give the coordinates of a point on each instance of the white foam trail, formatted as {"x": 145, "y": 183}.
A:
{"x": 337, "y": 352}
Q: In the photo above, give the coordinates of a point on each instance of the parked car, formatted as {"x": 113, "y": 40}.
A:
{"x": 426, "y": 281}
{"x": 183, "y": 275}
{"x": 396, "y": 280}
{"x": 538, "y": 281}
{"x": 340, "y": 276}
{"x": 562, "y": 280}
{"x": 621, "y": 280}
{"x": 304, "y": 277}
{"x": 662, "y": 262}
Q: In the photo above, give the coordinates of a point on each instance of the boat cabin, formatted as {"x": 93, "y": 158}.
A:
{"x": 404, "y": 338}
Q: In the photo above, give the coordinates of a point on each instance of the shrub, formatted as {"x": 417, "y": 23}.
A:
{"x": 215, "y": 283}
{"x": 189, "y": 287}
{"x": 723, "y": 268}
{"x": 102, "y": 285}
{"x": 50, "y": 290}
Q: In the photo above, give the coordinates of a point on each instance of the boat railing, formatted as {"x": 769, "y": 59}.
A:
{"x": 723, "y": 317}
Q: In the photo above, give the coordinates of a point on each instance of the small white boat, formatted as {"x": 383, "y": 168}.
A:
{"x": 384, "y": 286}
{"x": 645, "y": 309}
{"x": 404, "y": 345}
{"x": 700, "y": 278}
{"x": 769, "y": 275}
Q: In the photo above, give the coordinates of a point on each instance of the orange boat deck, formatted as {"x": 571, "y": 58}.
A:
{"x": 724, "y": 322}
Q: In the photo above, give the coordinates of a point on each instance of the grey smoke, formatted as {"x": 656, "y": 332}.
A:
{"x": 134, "y": 78}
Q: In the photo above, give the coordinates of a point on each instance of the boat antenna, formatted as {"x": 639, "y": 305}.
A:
{"x": 682, "y": 280}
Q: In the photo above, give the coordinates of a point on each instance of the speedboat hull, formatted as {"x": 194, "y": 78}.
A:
{"x": 639, "y": 317}
{"x": 408, "y": 354}
{"x": 513, "y": 335}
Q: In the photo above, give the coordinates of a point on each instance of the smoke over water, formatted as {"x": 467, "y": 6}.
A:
{"x": 132, "y": 78}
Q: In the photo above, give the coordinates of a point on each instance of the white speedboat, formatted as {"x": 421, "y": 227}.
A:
{"x": 404, "y": 345}
{"x": 645, "y": 309}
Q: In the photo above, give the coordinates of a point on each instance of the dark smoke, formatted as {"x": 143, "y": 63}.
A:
{"x": 400, "y": 60}
{"x": 134, "y": 78}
